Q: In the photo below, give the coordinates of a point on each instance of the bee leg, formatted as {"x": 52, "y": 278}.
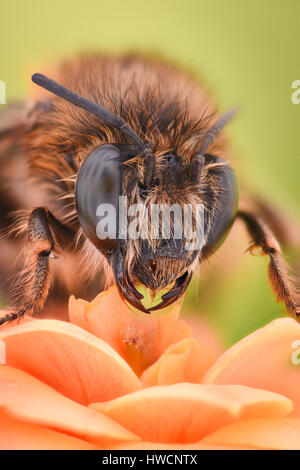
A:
{"x": 285, "y": 229}
{"x": 30, "y": 288}
{"x": 279, "y": 275}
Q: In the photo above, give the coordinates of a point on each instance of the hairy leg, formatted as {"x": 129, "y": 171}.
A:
{"x": 279, "y": 275}
{"x": 29, "y": 289}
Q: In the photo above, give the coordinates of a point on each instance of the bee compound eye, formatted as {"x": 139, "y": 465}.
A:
{"x": 97, "y": 193}
{"x": 219, "y": 223}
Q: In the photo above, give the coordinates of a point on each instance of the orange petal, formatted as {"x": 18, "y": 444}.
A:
{"x": 142, "y": 445}
{"x": 27, "y": 399}
{"x": 11, "y": 324}
{"x": 185, "y": 361}
{"x": 77, "y": 364}
{"x": 18, "y": 435}
{"x": 185, "y": 413}
{"x": 283, "y": 433}
{"x": 204, "y": 333}
{"x": 264, "y": 360}
{"x": 139, "y": 338}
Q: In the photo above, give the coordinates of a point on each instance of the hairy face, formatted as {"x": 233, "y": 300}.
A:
{"x": 160, "y": 256}
{"x": 161, "y": 214}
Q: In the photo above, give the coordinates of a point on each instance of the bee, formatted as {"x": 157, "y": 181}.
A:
{"x": 111, "y": 126}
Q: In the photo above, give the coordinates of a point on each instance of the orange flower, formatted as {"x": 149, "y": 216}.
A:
{"x": 116, "y": 379}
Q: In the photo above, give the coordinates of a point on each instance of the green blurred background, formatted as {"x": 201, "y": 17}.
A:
{"x": 247, "y": 53}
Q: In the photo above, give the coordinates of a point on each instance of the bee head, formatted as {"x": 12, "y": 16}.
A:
{"x": 153, "y": 215}
{"x": 154, "y": 233}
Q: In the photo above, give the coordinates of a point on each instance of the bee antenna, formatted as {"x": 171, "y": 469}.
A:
{"x": 84, "y": 103}
{"x": 215, "y": 130}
